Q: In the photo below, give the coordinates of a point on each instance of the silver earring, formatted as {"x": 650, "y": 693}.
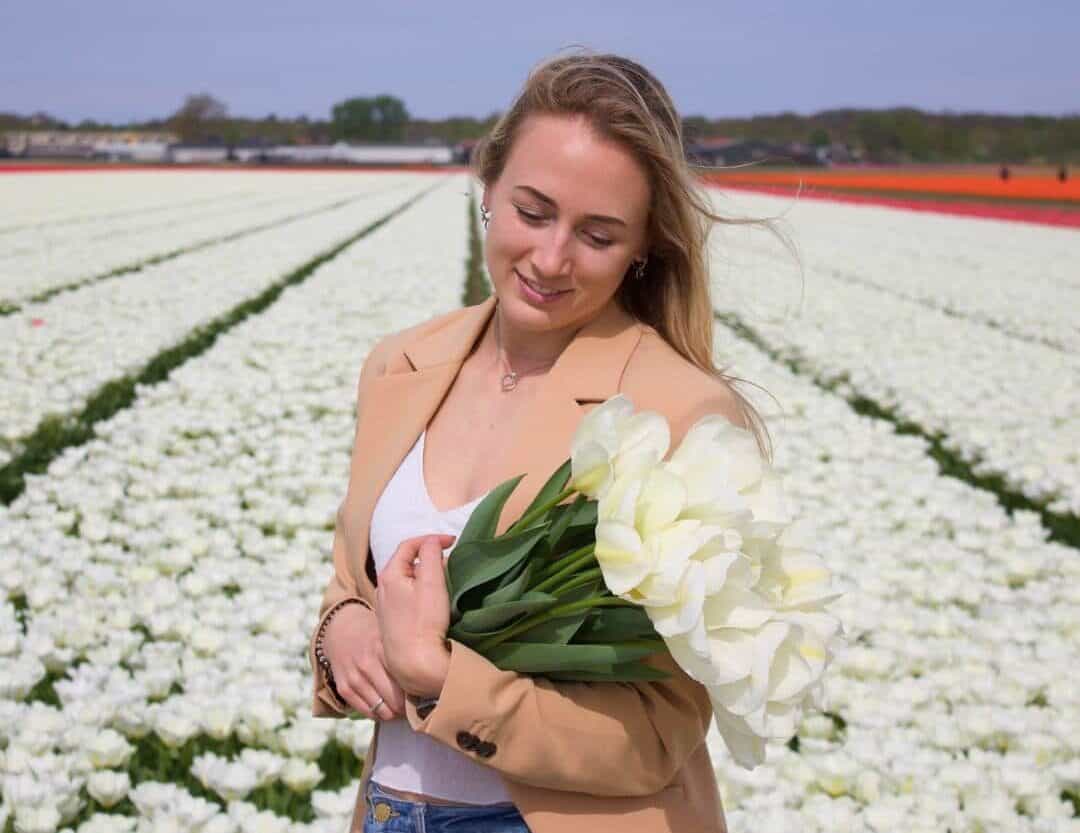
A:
{"x": 639, "y": 268}
{"x": 485, "y": 214}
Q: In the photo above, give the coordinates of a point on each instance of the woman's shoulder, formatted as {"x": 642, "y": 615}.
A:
{"x": 393, "y": 343}
{"x": 659, "y": 378}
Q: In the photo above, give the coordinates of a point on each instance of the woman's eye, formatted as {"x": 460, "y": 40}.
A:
{"x": 532, "y": 218}
{"x": 529, "y": 217}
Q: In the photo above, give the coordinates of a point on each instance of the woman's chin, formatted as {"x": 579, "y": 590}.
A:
{"x": 520, "y": 314}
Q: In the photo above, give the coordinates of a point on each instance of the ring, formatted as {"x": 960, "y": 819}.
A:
{"x": 375, "y": 708}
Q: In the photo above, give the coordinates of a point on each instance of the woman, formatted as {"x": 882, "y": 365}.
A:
{"x": 596, "y": 250}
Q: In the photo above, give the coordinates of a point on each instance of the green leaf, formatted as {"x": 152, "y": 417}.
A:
{"x": 614, "y": 624}
{"x": 562, "y": 521}
{"x": 475, "y": 563}
{"x": 491, "y": 619}
{"x": 536, "y": 658}
{"x": 561, "y": 630}
{"x": 622, "y": 672}
{"x": 512, "y": 584}
{"x": 585, "y": 515}
{"x": 484, "y": 519}
{"x": 555, "y": 484}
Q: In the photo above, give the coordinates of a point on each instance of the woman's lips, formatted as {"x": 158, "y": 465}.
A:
{"x": 533, "y": 293}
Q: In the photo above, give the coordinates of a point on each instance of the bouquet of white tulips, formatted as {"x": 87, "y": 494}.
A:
{"x": 695, "y": 554}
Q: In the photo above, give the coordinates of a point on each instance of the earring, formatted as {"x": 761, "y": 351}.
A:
{"x": 639, "y": 268}
{"x": 485, "y": 214}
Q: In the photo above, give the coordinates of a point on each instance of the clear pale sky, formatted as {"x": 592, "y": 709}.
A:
{"x": 116, "y": 61}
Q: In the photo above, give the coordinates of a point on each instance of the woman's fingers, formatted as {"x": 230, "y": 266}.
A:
{"x": 401, "y": 562}
{"x": 429, "y": 567}
{"x": 389, "y": 690}
{"x": 359, "y": 692}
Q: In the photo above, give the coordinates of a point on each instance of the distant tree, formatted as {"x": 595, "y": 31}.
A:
{"x": 380, "y": 119}
{"x": 391, "y": 118}
{"x": 820, "y": 137}
{"x": 197, "y": 117}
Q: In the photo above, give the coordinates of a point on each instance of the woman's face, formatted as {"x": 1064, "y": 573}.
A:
{"x": 568, "y": 215}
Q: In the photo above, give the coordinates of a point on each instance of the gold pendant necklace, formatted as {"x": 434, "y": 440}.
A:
{"x": 510, "y": 378}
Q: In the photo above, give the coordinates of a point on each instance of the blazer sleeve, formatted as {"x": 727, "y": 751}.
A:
{"x": 343, "y": 584}
{"x": 604, "y": 738}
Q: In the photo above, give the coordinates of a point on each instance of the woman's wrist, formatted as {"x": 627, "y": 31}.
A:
{"x": 320, "y": 640}
{"x": 430, "y": 674}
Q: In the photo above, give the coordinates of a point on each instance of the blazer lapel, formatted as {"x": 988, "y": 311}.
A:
{"x": 399, "y": 404}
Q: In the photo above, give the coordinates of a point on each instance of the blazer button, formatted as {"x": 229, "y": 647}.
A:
{"x": 467, "y": 740}
{"x": 486, "y": 749}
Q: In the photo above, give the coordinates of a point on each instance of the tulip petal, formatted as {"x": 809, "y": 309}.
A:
{"x": 621, "y": 556}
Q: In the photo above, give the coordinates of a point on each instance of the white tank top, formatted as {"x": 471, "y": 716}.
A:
{"x": 404, "y": 759}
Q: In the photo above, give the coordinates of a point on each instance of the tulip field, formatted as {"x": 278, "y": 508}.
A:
{"x": 179, "y": 354}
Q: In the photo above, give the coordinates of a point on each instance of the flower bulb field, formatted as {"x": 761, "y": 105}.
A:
{"x": 179, "y": 354}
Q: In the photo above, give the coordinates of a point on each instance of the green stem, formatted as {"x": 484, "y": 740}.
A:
{"x": 543, "y": 509}
{"x": 556, "y": 612}
{"x": 561, "y": 561}
{"x": 566, "y": 566}
{"x": 579, "y": 580}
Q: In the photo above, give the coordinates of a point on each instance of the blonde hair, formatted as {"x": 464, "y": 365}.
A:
{"x": 623, "y": 102}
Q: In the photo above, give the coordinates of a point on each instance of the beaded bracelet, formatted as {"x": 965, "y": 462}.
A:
{"x": 320, "y": 657}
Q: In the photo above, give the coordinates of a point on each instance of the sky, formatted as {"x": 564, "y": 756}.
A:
{"x": 120, "y": 61}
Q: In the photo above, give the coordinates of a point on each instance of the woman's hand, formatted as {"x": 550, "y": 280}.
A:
{"x": 354, "y": 647}
{"x": 413, "y": 608}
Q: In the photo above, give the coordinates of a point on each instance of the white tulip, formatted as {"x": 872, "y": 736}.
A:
{"x": 109, "y": 749}
{"x": 674, "y": 589}
{"x": 791, "y": 575}
{"x": 218, "y": 719}
{"x": 300, "y": 775}
{"x": 37, "y": 819}
{"x": 720, "y": 465}
{"x": 613, "y": 441}
{"x": 108, "y": 787}
{"x": 174, "y": 729}
{"x": 304, "y": 741}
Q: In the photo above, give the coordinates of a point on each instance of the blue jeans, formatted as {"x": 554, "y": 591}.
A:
{"x": 385, "y": 813}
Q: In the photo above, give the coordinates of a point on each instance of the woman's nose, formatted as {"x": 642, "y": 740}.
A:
{"x": 550, "y": 257}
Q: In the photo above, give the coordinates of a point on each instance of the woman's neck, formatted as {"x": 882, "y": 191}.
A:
{"x": 526, "y": 351}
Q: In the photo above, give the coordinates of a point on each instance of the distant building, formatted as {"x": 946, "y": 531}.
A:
{"x": 361, "y": 154}
{"x": 146, "y": 146}
{"x": 721, "y": 152}
{"x": 195, "y": 154}
{"x": 86, "y": 144}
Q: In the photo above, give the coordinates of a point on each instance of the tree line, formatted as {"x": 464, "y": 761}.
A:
{"x": 894, "y": 135}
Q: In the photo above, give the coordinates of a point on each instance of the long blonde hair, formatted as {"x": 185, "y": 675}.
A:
{"x": 623, "y": 102}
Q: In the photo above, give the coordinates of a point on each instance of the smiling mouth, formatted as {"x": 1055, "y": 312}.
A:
{"x": 535, "y": 287}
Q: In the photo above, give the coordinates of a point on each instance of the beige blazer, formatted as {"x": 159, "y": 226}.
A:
{"x": 626, "y": 757}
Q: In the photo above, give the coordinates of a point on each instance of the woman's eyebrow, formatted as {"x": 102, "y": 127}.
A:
{"x": 600, "y": 218}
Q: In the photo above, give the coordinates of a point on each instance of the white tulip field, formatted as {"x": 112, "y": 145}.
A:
{"x": 178, "y": 362}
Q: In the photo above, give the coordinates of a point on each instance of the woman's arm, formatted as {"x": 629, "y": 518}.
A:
{"x": 343, "y": 584}
{"x": 614, "y": 739}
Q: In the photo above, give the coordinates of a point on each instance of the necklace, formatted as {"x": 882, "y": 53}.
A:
{"x": 510, "y": 378}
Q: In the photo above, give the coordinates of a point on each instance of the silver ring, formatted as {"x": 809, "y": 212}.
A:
{"x": 375, "y": 708}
